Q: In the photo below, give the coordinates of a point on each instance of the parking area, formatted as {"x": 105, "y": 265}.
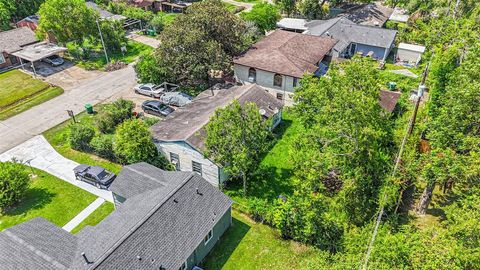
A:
{"x": 129, "y": 94}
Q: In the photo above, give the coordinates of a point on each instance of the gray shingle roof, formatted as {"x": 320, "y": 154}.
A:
{"x": 347, "y": 32}
{"x": 148, "y": 224}
{"x": 186, "y": 123}
{"x": 13, "y": 40}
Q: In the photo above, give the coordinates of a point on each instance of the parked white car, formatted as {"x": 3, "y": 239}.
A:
{"x": 178, "y": 99}
{"x": 149, "y": 89}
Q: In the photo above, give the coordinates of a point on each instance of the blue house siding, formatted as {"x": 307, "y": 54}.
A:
{"x": 378, "y": 52}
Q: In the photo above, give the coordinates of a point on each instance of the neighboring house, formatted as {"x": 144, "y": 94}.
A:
{"x": 181, "y": 136}
{"x": 354, "y": 39}
{"x": 372, "y": 14}
{"x": 12, "y": 41}
{"x": 31, "y": 22}
{"x": 105, "y": 15}
{"x": 278, "y": 61}
{"x": 167, "y": 220}
{"x": 409, "y": 53}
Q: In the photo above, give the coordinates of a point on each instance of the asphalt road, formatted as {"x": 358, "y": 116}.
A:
{"x": 38, "y": 119}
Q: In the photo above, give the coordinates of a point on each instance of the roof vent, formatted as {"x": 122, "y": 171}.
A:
{"x": 198, "y": 192}
{"x": 175, "y": 200}
{"x": 262, "y": 112}
{"x": 85, "y": 258}
{"x": 139, "y": 258}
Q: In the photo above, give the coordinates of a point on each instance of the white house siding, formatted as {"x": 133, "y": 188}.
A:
{"x": 378, "y": 52}
{"x": 187, "y": 154}
{"x": 265, "y": 80}
{"x": 408, "y": 56}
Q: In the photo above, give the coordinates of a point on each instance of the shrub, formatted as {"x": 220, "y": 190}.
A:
{"x": 14, "y": 181}
{"x": 113, "y": 114}
{"x": 150, "y": 121}
{"x": 80, "y": 137}
{"x": 102, "y": 145}
{"x": 133, "y": 142}
{"x": 260, "y": 210}
{"x": 162, "y": 162}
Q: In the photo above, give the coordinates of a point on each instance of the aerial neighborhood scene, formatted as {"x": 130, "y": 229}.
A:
{"x": 239, "y": 134}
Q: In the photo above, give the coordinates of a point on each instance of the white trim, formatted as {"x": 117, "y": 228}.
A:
{"x": 210, "y": 233}
{"x": 2, "y": 59}
{"x": 184, "y": 266}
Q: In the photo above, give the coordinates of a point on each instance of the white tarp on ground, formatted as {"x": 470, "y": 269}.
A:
{"x": 399, "y": 15}
{"x": 38, "y": 51}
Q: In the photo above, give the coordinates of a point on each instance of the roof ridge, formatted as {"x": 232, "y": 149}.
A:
{"x": 38, "y": 252}
{"x": 107, "y": 253}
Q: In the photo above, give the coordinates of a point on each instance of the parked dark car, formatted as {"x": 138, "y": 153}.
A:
{"x": 94, "y": 175}
{"x": 156, "y": 107}
{"x": 54, "y": 60}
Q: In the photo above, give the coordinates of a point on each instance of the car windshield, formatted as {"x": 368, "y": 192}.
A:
{"x": 103, "y": 174}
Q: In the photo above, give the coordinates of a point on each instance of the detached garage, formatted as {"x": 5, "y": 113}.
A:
{"x": 409, "y": 53}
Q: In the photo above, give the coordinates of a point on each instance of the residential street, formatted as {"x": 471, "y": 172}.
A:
{"x": 36, "y": 120}
{"x": 42, "y": 156}
{"x": 247, "y": 6}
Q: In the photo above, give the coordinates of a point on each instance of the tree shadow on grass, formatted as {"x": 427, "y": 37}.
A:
{"x": 227, "y": 244}
{"x": 35, "y": 198}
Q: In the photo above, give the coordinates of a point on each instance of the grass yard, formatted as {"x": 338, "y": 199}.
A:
{"x": 250, "y": 245}
{"x": 98, "y": 215}
{"x": 50, "y": 198}
{"x": 274, "y": 176}
{"x": 134, "y": 50}
{"x": 230, "y": 7}
{"x": 20, "y": 92}
{"x": 58, "y": 138}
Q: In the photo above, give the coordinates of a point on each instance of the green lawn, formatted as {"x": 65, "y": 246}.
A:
{"x": 20, "y": 92}
{"x": 230, "y": 7}
{"x": 94, "y": 218}
{"x": 250, "y": 245}
{"x": 58, "y": 138}
{"x": 274, "y": 176}
{"x": 134, "y": 50}
{"x": 50, "y": 198}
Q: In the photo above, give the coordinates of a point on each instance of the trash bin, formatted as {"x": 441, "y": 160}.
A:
{"x": 151, "y": 32}
{"x": 392, "y": 86}
{"x": 89, "y": 108}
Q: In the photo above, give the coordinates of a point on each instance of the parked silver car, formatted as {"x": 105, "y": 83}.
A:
{"x": 54, "y": 60}
{"x": 149, "y": 89}
{"x": 178, "y": 99}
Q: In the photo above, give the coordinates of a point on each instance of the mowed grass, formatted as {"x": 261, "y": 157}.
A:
{"x": 58, "y": 138}
{"x": 250, "y": 245}
{"x": 94, "y": 218}
{"x": 48, "y": 197}
{"x": 274, "y": 175}
{"x": 19, "y": 92}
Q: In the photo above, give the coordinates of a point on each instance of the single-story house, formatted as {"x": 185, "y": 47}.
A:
{"x": 180, "y": 137}
{"x": 12, "y": 41}
{"x": 278, "y": 61}
{"x": 105, "y": 15}
{"x": 166, "y": 220}
{"x": 409, "y": 53}
{"x": 353, "y": 38}
{"x": 371, "y": 14}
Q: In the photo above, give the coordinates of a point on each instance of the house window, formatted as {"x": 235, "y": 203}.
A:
{"x": 280, "y": 96}
{"x": 2, "y": 59}
{"x": 175, "y": 159}
{"x": 197, "y": 167}
{"x": 277, "y": 80}
{"x": 208, "y": 237}
{"x": 183, "y": 267}
{"x": 252, "y": 75}
{"x": 353, "y": 48}
{"x": 295, "y": 82}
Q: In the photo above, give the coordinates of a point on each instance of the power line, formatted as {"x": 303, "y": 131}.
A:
{"x": 420, "y": 91}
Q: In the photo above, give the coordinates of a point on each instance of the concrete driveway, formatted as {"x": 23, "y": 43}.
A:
{"x": 152, "y": 42}
{"x": 22, "y": 127}
{"x": 45, "y": 158}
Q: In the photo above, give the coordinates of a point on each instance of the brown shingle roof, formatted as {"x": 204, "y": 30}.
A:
{"x": 287, "y": 53}
{"x": 389, "y": 99}
{"x": 13, "y": 40}
{"x": 186, "y": 123}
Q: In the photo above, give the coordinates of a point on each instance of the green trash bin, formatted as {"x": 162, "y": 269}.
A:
{"x": 89, "y": 108}
{"x": 392, "y": 86}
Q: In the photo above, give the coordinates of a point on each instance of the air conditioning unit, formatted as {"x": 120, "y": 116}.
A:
{"x": 251, "y": 79}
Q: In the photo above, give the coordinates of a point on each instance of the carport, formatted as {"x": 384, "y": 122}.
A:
{"x": 37, "y": 52}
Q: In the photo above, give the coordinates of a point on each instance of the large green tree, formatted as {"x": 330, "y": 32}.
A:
{"x": 313, "y": 9}
{"x": 202, "y": 40}
{"x": 264, "y": 15}
{"x": 236, "y": 138}
{"x": 133, "y": 142}
{"x": 346, "y": 148}
{"x": 68, "y": 20}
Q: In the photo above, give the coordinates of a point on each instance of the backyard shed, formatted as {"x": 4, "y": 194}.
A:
{"x": 409, "y": 53}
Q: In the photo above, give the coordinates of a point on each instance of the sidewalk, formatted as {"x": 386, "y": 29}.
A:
{"x": 42, "y": 156}
{"x": 83, "y": 215}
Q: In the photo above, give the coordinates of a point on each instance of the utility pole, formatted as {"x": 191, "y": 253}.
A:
{"x": 101, "y": 38}
{"x": 420, "y": 91}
